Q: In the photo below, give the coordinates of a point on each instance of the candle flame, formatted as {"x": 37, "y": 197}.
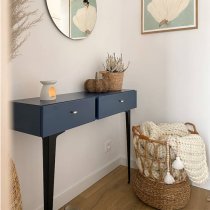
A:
{"x": 52, "y": 92}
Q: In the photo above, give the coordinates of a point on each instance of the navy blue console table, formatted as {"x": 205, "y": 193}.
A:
{"x": 48, "y": 119}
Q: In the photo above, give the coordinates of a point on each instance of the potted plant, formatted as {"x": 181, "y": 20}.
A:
{"x": 114, "y": 72}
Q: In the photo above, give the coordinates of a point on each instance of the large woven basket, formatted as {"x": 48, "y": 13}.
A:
{"x": 149, "y": 184}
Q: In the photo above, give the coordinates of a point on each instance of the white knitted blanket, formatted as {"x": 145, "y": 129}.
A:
{"x": 191, "y": 150}
{"x": 189, "y": 147}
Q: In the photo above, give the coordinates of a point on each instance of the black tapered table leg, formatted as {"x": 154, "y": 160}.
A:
{"x": 49, "y": 150}
{"x": 128, "y": 134}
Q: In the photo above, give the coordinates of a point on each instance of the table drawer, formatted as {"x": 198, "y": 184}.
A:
{"x": 63, "y": 116}
{"x": 115, "y": 103}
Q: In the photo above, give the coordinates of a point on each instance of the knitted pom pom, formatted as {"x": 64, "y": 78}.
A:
{"x": 169, "y": 179}
{"x": 178, "y": 164}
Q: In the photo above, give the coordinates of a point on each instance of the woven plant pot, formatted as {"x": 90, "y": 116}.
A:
{"x": 115, "y": 80}
{"x": 159, "y": 195}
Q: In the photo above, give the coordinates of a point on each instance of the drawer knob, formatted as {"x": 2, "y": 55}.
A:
{"x": 121, "y": 101}
{"x": 74, "y": 112}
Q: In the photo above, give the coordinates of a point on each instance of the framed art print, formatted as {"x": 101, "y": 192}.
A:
{"x": 168, "y": 15}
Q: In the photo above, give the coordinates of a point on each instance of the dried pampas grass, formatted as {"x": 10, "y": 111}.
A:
{"x": 21, "y": 20}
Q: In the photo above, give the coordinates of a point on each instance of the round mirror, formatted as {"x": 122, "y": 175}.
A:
{"x": 74, "y": 18}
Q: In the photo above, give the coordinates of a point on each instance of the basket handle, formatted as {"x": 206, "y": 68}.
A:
{"x": 194, "y": 131}
{"x": 136, "y": 131}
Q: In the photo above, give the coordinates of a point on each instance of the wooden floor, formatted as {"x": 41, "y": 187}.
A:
{"x": 113, "y": 193}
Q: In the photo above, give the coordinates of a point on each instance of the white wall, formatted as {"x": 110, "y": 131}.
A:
{"x": 170, "y": 70}
{"x": 46, "y": 55}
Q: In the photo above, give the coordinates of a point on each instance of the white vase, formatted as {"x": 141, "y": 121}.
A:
{"x": 48, "y": 91}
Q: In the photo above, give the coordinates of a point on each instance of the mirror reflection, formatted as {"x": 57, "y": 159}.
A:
{"x": 74, "y": 18}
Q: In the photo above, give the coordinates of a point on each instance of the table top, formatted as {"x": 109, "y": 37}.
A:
{"x": 65, "y": 97}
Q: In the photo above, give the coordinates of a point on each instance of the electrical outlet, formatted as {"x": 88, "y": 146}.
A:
{"x": 108, "y": 146}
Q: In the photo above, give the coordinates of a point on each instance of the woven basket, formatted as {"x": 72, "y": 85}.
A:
{"x": 115, "y": 80}
{"x": 15, "y": 194}
{"x": 159, "y": 195}
{"x": 150, "y": 186}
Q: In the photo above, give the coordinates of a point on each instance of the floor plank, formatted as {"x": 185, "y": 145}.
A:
{"x": 113, "y": 193}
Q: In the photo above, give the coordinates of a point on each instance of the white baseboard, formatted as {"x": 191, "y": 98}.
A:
{"x": 124, "y": 162}
{"x": 77, "y": 188}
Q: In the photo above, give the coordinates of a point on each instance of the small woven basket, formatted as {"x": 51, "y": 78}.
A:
{"x": 15, "y": 194}
{"x": 148, "y": 183}
{"x": 115, "y": 80}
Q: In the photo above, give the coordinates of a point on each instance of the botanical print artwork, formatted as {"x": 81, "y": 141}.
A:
{"x": 167, "y": 15}
{"x": 166, "y": 11}
{"x": 83, "y": 18}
